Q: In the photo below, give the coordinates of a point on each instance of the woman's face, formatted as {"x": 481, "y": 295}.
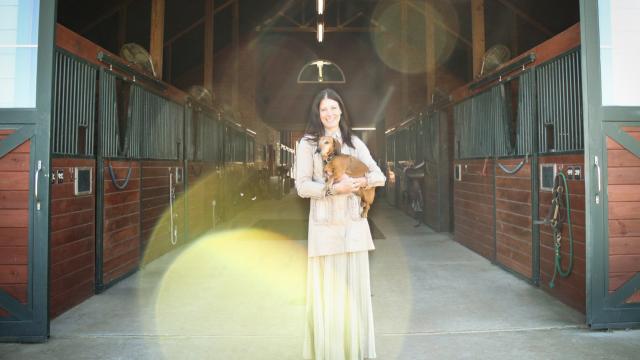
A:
{"x": 330, "y": 114}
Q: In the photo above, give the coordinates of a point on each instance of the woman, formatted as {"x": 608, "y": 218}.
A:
{"x": 339, "y": 318}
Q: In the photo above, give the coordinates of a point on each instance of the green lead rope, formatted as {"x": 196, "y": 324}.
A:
{"x": 557, "y": 231}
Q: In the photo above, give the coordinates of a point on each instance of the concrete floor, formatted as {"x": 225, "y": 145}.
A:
{"x": 240, "y": 295}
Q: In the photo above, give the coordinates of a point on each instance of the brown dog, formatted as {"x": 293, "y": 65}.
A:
{"x": 338, "y": 165}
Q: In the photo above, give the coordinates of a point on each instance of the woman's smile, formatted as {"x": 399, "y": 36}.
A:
{"x": 330, "y": 114}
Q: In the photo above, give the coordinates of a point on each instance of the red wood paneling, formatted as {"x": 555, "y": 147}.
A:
{"x": 570, "y": 290}
{"x": 623, "y": 190}
{"x": 155, "y": 209}
{"x": 72, "y": 265}
{"x": 513, "y": 217}
{"x": 473, "y": 207}
{"x": 121, "y": 232}
{"x": 14, "y": 220}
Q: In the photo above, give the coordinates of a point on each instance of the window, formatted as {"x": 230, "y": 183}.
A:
{"x": 18, "y": 53}
{"x": 619, "y": 51}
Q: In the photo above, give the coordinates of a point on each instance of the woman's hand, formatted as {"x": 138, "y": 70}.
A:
{"x": 361, "y": 181}
{"x": 346, "y": 186}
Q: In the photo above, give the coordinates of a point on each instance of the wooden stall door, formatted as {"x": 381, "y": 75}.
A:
{"x": 612, "y": 155}
{"x": 25, "y": 121}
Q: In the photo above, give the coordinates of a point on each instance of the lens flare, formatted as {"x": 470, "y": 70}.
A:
{"x": 410, "y": 58}
{"x": 233, "y": 284}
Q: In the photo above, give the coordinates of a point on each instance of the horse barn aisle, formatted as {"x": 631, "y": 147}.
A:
{"x": 432, "y": 297}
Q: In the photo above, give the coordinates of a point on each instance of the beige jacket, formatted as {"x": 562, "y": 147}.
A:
{"x": 335, "y": 224}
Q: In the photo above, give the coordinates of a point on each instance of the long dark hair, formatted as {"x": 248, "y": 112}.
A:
{"x": 315, "y": 129}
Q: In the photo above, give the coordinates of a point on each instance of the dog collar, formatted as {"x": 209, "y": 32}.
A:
{"x": 329, "y": 159}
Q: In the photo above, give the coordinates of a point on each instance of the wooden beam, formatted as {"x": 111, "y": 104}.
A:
{"x": 156, "y": 47}
{"x": 478, "y": 35}
{"x": 209, "y": 15}
{"x": 404, "y": 46}
{"x": 104, "y": 16}
{"x": 196, "y": 23}
{"x": 514, "y": 34}
{"x": 235, "y": 38}
{"x": 526, "y": 17}
{"x": 122, "y": 27}
{"x": 442, "y": 25}
{"x": 430, "y": 49}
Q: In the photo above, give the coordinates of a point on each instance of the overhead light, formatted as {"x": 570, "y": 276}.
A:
{"x": 251, "y": 131}
{"x": 320, "y": 30}
{"x": 320, "y": 7}
{"x": 363, "y": 128}
{"x": 390, "y": 130}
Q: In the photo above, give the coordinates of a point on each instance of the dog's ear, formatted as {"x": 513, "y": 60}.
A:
{"x": 336, "y": 146}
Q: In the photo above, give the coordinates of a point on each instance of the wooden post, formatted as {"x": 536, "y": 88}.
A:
{"x": 405, "y": 63}
{"x": 156, "y": 46}
{"x": 514, "y": 34}
{"x": 122, "y": 27}
{"x": 209, "y": 32}
{"x": 430, "y": 49}
{"x": 477, "y": 25}
{"x": 236, "y": 55}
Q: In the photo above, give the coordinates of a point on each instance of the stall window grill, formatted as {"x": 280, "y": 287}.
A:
{"x": 204, "y": 140}
{"x": 526, "y": 114}
{"x": 162, "y": 124}
{"x": 211, "y": 138}
{"x": 391, "y": 156}
{"x": 559, "y": 104}
{"x": 475, "y": 124}
{"x": 120, "y": 137}
{"x": 404, "y": 145}
{"x": 251, "y": 152}
{"x": 74, "y": 106}
{"x": 430, "y": 136}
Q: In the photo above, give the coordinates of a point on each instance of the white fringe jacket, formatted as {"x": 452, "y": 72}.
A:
{"x": 335, "y": 224}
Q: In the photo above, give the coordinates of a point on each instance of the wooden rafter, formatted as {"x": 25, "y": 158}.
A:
{"x": 105, "y": 15}
{"x": 307, "y": 25}
{"x": 477, "y": 34}
{"x": 157, "y": 35}
{"x": 526, "y": 17}
{"x": 197, "y": 23}
{"x": 442, "y": 25}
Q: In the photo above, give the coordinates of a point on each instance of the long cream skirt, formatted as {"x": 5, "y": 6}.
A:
{"x": 339, "y": 318}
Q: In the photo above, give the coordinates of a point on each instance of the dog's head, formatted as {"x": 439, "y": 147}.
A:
{"x": 328, "y": 146}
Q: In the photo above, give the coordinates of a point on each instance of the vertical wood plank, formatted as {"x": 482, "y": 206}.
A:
{"x": 209, "y": 6}
{"x": 156, "y": 47}
{"x": 430, "y": 49}
{"x": 478, "y": 34}
{"x": 236, "y": 50}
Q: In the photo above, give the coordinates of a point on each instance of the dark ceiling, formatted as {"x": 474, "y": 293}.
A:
{"x": 519, "y": 24}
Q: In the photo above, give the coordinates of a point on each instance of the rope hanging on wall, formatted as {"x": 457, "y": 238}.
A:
{"x": 126, "y": 180}
{"x": 516, "y": 168}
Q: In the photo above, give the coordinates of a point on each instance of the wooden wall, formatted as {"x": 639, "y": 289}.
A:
{"x": 513, "y": 217}
{"x": 570, "y": 290}
{"x": 14, "y": 220}
{"x": 121, "y": 232}
{"x": 624, "y": 213}
{"x": 473, "y": 207}
{"x": 156, "y": 225}
{"x": 72, "y": 241}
